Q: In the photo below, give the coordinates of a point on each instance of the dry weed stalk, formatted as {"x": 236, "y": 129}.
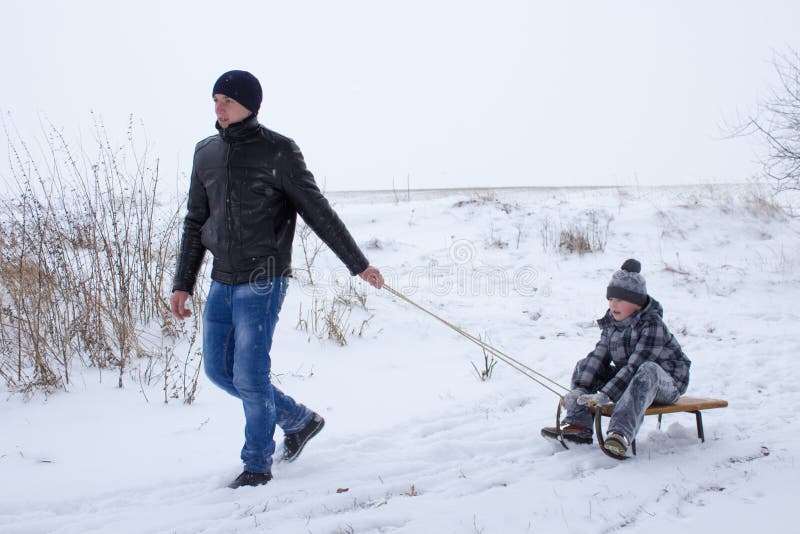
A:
{"x": 585, "y": 234}
{"x": 330, "y": 318}
{"x": 85, "y": 261}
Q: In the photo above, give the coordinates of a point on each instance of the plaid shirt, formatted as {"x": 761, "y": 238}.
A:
{"x": 624, "y": 346}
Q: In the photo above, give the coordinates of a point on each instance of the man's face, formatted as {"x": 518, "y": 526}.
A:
{"x": 229, "y": 111}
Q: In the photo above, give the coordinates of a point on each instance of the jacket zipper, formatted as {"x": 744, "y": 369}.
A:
{"x": 228, "y": 223}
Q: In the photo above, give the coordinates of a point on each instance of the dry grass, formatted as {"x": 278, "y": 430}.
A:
{"x": 330, "y": 318}
{"x": 86, "y": 261}
{"x": 585, "y": 234}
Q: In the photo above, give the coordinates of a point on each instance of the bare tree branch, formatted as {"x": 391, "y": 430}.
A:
{"x": 779, "y": 124}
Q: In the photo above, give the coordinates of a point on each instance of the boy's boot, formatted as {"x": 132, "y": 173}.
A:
{"x": 573, "y": 433}
{"x": 616, "y": 445}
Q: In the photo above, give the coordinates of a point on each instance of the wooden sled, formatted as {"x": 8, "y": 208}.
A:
{"x": 693, "y": 405}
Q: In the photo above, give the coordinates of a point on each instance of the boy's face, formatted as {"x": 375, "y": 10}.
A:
{"x": 622, "y": 309}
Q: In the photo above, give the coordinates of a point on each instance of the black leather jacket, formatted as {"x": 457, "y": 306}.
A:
{"x": 248, "y": 184}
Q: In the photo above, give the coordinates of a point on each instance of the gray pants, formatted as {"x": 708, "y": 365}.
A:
{"x": 650, "y": 384}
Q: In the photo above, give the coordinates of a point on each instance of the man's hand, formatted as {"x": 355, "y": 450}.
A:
{"x": 177, "y": 304}
{"x": 594, "y": 399}
{"x": 372, "y": 276}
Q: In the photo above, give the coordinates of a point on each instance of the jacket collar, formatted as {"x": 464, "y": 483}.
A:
{"x": 238, "y": 131}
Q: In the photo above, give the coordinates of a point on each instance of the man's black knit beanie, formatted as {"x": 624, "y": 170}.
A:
{"x": 241, "y": 86}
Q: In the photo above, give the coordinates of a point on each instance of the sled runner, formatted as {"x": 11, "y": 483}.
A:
{"x": 693, "y": 405}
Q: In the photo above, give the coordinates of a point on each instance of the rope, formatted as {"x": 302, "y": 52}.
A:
{"x": 514, "y": 363}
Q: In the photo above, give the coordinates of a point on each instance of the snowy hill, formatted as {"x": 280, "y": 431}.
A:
{"x": 414, "y": 441}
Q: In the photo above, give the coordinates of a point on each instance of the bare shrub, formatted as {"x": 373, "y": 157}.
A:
{"x": 520, "y": 227}
{"x": 762, "y": 204}
{"x": 672, "y": 225}
{"x": 350, "y": 295}
{"x": 756, "y": 198}
{"x": 588, "y": 232}
{"x": 575, "y": 240}
{"x": 489, "y": 362}
{"x": 495, "y": 241}
{"x": 85, "y": 261}
{"x": 311, "y": 246}
{"x": 549, "y": 232}
{"x": 329, "y": 318}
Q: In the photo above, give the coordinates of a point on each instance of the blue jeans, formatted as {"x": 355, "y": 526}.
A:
{"x": 238, "y": 324}
{"x": 651, "y": 383}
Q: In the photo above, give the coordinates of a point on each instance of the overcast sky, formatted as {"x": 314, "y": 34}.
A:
{"x": 448, "y": 93}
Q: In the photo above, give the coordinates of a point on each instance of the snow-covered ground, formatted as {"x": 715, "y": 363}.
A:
{"x": 414, "y": 442}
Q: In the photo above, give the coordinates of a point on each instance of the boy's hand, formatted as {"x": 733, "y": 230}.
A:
{"x": 594, "y": 399}
{"x": 574, "y": 395}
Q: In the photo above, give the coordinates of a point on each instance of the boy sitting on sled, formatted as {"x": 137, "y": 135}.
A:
{"x": 637, "y": 362}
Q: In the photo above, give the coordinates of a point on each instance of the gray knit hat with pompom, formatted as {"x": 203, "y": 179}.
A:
{"x": 628, "y": 284}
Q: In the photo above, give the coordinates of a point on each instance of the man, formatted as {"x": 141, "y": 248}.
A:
{"x": 247, "y": 186}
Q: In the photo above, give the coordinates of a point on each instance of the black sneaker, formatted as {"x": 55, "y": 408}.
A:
{"x": 293, "y": 443}
{"x": 573, "y": 433}
{"x": 248, "y": 478}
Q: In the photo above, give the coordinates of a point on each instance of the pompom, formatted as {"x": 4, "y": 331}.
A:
{"x": 632, "y": 266}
